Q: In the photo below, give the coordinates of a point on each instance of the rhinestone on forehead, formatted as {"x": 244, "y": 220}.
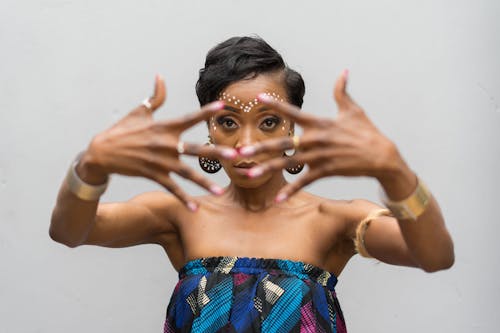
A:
{"x": 247, "y": 107}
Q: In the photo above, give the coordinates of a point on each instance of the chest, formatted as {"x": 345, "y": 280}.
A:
{"x": 301, "y": 234}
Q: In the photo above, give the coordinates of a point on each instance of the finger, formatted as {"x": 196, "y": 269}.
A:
{"x": 290, "y": 189}
{"x": 159, "y": 94}
{"x": 322, "y": 139}
{"x": 282, "y": 163}
{"x": 289, "y": 110}
{"x": 186, "y": 172}
{"x": 154, "y": 102}
{"x": 270, "y": 145}
{"x": 173, "y": 188}
{"x": 195, "y": 117}
{"x": 211, "y": 151}
{"x": 342, "y": 98}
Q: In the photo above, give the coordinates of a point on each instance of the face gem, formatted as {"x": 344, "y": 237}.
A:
{"x": 247, "y": 107}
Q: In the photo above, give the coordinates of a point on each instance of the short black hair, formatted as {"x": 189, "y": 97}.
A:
{"x": 240, "y": 58}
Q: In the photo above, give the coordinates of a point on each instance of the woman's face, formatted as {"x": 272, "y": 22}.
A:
{"x": 245, "y": 121}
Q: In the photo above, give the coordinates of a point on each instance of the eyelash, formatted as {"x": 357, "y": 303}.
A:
{"x": 275, "y": 121}
{"x": 224, "y": 120}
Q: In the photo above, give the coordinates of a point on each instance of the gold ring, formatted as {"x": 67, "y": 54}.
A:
{"x": 180, "y": 147}
{"x": 296, "y": 141}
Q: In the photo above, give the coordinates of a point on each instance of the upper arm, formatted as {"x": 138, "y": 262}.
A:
{"x": 141, "y": 220}
{"x": 383, "y": 238}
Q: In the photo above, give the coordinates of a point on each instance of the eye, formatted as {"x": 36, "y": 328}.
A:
{"x": 227, "y": 122}
{"x": 270, "y": 123}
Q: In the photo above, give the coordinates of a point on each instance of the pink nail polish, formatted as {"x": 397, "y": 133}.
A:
{"x": 264, "y": 98}
{"x": 346, "y": 74}
{"x": 247, "y": 150}
{"x": 192, "y": 206}
{"x": 229, "y": 153}
{"x": 280, "y": 198}
{"x": 215, "y": 106}
{"x": 216, "y": 190}
{"x": 255, "y": 172}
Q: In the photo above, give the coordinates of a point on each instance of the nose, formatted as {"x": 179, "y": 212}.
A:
{"x": 247, "y": 137}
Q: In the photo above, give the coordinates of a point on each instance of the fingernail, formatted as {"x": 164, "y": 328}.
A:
{"x": 264, "y": 98}
{"x": 216, "y": 190}
{"x": 280, "y": 198}
{"x": 255, "y": 172}
{"x": 246, "y": 151}
{"x": 216, "y": 106}
{"x": 346, "y": 73}
{"x": 229, "y": 153}
{"x": 192, "y": 206}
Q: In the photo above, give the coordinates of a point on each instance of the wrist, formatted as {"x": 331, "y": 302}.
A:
{"x": 412, "y": 206}
{"x": 399, "y": 181}
{"x": 88, "y": 169}
{"x": 82, "y": 188}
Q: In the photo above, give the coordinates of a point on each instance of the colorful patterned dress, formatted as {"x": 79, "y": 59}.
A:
{"x": 238, "y": 294}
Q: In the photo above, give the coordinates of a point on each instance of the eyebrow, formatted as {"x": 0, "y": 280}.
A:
{"x": 232, "y": 109}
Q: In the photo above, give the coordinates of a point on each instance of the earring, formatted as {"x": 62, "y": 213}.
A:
{"x": 209, "y": 165}
{"x": 296, "y": 168}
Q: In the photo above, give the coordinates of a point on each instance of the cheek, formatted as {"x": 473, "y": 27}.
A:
{"x": 285, "y": 126}
{"x": 213, "y": 130}
{"x": 212, "y": 126}
{"x": 220, "y": 137}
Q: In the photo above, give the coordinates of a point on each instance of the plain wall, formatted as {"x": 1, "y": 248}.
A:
{"x": 426, "y": 72}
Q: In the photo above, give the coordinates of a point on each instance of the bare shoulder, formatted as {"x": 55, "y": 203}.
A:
{"x": 351, "y": 209}
{"x": 162, "y": 206}
{"x": 354, "y": 211}
{"x": 348, "y": 212}
{"x": 332, "y": 213}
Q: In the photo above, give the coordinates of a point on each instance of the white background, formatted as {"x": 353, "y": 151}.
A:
{"x": 426, "y": 72}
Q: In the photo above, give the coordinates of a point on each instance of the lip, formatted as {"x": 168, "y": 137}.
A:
{"x": 245, "y": 164}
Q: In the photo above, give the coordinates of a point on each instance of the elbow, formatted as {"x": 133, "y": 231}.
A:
{"x": 441, "y": 258}
{"x": 443, "y": 263}
{"x": 60, "y": 237}
{"x": 57, "y": 238}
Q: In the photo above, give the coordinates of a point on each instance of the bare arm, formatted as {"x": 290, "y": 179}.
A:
{"x": 135, "y": 146}
{"x": 351, "y": 145}
{"x": 424, "y": 243}
{"x": 141, "y": 220}
{"x": 72, "y": 218}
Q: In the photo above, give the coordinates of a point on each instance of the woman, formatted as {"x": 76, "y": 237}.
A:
{"x": 251, "y": 257}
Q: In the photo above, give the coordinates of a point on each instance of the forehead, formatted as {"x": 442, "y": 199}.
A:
{"x": 247, "y": 90}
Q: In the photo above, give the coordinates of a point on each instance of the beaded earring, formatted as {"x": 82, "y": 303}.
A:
{"x": 207, "y": 164}
{"x": 296, "y": 168}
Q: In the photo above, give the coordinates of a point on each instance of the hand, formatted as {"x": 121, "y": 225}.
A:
{"x": 350, "y": 145}
{"x": 139, "y": 146}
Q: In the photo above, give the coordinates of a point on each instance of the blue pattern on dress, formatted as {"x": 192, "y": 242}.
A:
{"x": 242, "y": 294}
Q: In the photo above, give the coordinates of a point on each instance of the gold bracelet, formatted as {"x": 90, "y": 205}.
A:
{"x": 359, "y": 240}
{"x": 411, "y": 207}
{"x": 81, "y": 189}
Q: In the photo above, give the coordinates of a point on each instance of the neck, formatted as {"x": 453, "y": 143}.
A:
{"x": 259, "y": 198}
